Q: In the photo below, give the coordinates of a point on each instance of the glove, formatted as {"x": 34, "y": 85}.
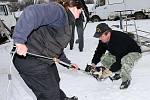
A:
{"x": 90, "y": 68}
{"x": 106, "y": 73}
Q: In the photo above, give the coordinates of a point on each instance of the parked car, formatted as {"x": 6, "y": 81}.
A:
{"x": 111, "y": 9}
{"x": 7, "y": 16}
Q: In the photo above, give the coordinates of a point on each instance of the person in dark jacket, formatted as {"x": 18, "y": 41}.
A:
{"x": 43, "y": 29}
{"x": 122, "y": 53}
{"x": 79, "y": 25}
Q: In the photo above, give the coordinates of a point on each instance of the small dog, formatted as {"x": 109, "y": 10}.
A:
{"x": 95, "y": 72}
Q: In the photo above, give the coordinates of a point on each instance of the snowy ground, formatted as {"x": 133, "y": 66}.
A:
{"x": 79, "y": 83}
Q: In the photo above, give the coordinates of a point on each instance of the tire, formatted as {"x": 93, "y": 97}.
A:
{"x": 95, "y": 19}
{"x": 139, "y": 15}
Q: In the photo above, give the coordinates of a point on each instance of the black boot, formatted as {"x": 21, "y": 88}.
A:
{"x": 77, "y": 41}
{"x": 116, "y": 77}
{"x": 125, "y": 84}
{"x": 81, "y": 50}
{"x": 71, "y": 48}
{"x": 71, "y": 98}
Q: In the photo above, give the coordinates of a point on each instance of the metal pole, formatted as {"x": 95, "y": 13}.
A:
{"x": 10, "y": 75}
{"x": 121, "y": 27}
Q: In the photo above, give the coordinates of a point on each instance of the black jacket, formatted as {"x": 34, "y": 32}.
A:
{"x": 120, "y": 44}
{"x": 71, "y": 17}
{"x": 48, "y": 41}
{"x": 85, "y": 9}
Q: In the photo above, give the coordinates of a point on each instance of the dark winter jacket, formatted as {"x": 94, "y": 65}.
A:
{"x": 85, "y": 9}
{"x": 43, "y": 41}
{"x": 34, "y": 16}
{"x": 44, "y": 28}
{"x": 120, "y": 44}
{"x": 81, "y": 18}
{"x": 71, "y": 19}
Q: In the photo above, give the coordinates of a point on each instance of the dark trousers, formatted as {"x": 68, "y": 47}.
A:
{"x": 72, "y": 27}
{"x": 79, "y": 25}
{"x": 40, "y": 76}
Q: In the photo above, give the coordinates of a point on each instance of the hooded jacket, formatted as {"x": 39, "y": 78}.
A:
{"x": 44, "y": 29}
{"x": 119, "y": 45}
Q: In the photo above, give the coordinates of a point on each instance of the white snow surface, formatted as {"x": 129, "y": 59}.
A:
{"x": 77, "y": 83}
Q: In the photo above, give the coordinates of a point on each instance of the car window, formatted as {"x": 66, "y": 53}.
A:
{"x": 3, "y": 10}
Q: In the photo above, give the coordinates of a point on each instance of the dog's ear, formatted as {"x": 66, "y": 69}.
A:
{"x": 88, "y": 68}
{"x": 100, "y": 68}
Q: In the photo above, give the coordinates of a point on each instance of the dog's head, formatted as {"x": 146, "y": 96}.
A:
{"x": 89, "y": 68}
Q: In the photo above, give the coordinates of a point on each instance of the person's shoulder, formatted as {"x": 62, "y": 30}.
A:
{"x": 120, "y": 34}
{"x": 117, "y": 32}
{"x": 50, "y": 4}
{"x": 56, "y": 5}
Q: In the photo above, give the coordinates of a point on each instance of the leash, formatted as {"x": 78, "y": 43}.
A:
{"x": 55, "y": 60}
{"x": 60, "y": 62}
{"x": 40, "y": 56}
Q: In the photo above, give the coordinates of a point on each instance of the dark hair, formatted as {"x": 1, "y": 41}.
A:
{"x": 70, "y": 3}
{"x": 106, "y": 32}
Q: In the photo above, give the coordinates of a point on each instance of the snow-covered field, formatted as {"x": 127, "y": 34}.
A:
{"x": 78, "y": 83}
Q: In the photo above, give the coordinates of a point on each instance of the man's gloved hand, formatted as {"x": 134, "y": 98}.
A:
{"x": 106, "y": 73}
{"x": 93, "y": 68}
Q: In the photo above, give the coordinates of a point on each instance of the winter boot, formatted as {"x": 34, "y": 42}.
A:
{"x": 72, "y": 98}
{"x": 71, "y": 47}
{"x": 77, "y": 41}
{"x": 125, "y": 84}
{"x": 116, "y": 77}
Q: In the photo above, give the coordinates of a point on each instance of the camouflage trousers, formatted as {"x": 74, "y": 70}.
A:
{"x": 127, "y": 63}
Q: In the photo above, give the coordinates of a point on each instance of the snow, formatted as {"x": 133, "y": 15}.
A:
{"x": 77, "y": 83}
